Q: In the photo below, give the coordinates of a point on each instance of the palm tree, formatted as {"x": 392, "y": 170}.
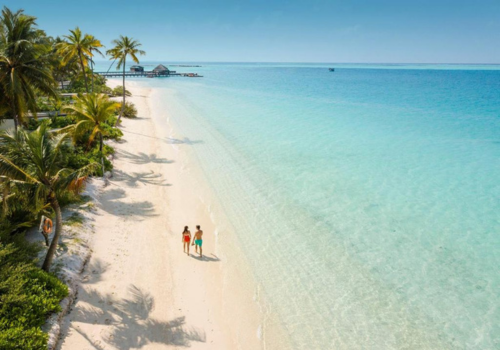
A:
{"x": 94, "y": 45}
{"x": 92, "y": 111}
{"x": 39, "y": 172}
{"x": 77, "y": 45}
{"x": 23, "y": 69}
{"x": 61, "y": 71}
{"x": 124, "y": 46}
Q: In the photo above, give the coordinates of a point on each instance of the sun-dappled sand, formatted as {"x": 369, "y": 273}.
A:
{"x": 139, "y": 290}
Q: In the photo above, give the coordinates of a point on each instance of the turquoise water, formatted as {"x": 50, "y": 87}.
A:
{"x": 367, "y": 200}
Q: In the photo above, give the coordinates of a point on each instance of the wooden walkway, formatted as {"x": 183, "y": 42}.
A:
{"x": 147, "y": 74}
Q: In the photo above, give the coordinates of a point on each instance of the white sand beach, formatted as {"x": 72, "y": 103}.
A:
{"x": 139, "y": 290}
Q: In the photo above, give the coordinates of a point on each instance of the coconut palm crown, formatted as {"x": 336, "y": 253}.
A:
{"x": 23, "y": 70}
{"x": 92, "y": 111}
{"x": 94, "y": 46}
{"x": 39, "y": 172}
{"x": 124, "y": 47}
{"x": 79, "y": 45}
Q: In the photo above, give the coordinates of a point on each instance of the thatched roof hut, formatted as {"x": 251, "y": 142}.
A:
{"x": 161, "y": 69}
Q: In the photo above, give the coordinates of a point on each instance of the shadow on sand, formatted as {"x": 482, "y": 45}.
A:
{"x": 169, "y": 140}
{"x": 94, "y": 270}
{"x": 211, "y": 258}
{"x": 142, "y": 158}
{"x": 133, "y": 179}
{"x": 111, "y": 203}
{"x": 127, "y": 322}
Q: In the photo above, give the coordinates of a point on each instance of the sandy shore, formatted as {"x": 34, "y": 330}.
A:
{"x": 140, "y": 291}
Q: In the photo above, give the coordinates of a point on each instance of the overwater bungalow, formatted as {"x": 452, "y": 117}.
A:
{"x": 137, "y": 69}
{"x": 161, "y": 70}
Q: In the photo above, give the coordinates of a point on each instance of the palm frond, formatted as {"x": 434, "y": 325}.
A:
{"x": 65, "y": 179}
{"x": 13, "y": 172}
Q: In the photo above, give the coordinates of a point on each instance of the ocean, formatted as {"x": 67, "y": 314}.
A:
{"x": 366, "y": 200}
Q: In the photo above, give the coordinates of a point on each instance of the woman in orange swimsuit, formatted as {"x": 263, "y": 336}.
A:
{"x": 186, "y": 239}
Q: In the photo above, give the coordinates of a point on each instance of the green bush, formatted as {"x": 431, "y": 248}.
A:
{"x": 118, "y": 91}
{"x": 112, "y": 132}
{"x": 45, "y": 105}
{"x": 80, "y": 157}
{"x": 82, "y": 153}
{"x": 78, "y": 84}
{"x": 56, "y": 122}
{"x": 23, "y": 338}
{"x": 68, "y": 197}
{"x": 106, "y": 90}
{"x": 61, "y": 122}
{"x": 27, "y": 296}
{"x": 33, "y": 124}
{"x": 129, "y": 111}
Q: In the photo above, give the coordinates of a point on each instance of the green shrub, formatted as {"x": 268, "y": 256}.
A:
{"x": 33, "y": 124}
{"x": 106, "y": 90}
{"x": 61, "y": 122}
{"x": 78, "y": 84}
{"x": 44, "y": 105}
{"x": 27, "y": 296}
{"x": 23, "y": 338}
{"x": 80, "y": 157}
{"x": 118, "y": 91}
{"x": 68, "y": 197}
{"x": 129, "y": 111}
{"x": 56, "y": 122}
{"x": 112, "y": 132}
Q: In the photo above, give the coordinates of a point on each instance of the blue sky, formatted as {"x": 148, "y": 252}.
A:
{"x": 377, "y": 31}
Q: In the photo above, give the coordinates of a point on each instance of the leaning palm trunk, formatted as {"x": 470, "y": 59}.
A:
{"x": 124, "y": 46}
{"x": 55, "y": 240}
{"x": 123, "y": 102}
{"x": 92, "y": 77}
{"x": 92, "y": 71}
{"x": 84, "y": 74}
{"x": 100, "y": 150}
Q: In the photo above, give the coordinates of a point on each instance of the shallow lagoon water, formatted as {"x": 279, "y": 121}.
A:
{"x": 367, "y": 200}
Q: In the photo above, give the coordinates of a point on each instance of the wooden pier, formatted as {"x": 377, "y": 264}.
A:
{"x": 148, "y": 74}
{"x": 138, "y": 71}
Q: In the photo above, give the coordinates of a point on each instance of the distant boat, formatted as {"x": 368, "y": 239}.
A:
{"x": 331, "y": 69}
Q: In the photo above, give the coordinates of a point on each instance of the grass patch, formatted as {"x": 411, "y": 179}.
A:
{"x": 74, "y": 220}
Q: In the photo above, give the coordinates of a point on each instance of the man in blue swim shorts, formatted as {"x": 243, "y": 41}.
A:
{"x": 198, "y": 240}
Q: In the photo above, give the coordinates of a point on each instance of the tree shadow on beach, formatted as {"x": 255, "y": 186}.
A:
{"x": 133, "y": 179}
{"x": 110, "y": 202}
{"x": 169, "y": 140}
{"x": 95, "y": 344}
{"x": 211, "y": 258}
{"x": 142, "y": 158}
{"x": 127, "y": 323}
{"x": 94, "y": 270}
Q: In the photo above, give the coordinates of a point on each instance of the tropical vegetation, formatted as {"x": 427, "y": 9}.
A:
{"x": 92, "y": 111}
{"x": 78, "y": 45}
{"x": 24, "y": 69}
{"x": 44, "y": 164}
{"x": 27, "y": 296}
{"x": 31, "y": 162}
{"x": 125, "y": 47}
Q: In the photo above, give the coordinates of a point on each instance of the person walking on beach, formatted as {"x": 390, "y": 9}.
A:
{"x": 186, "y": 239}
{"x": 198, "y": 240}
